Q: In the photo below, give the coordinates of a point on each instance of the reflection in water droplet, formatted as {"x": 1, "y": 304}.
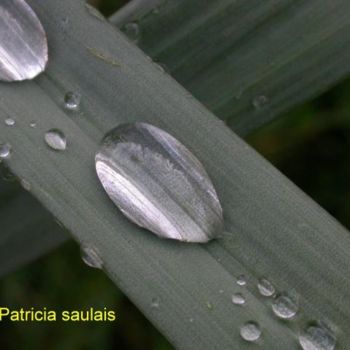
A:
{"x": 260, "y": 102}
{"x": 250, "y": 331}
{"x": 238, "y": 299}
{"x": 158, "y": 183}
{"x": 317, "y": 338}
{"x": 155, "y": 303}
{"x": 241, "y": 280}
{"x": 56, "y": 139}
{"x": 5, "y": 150}
{"x": 132, "y": 30}
{"x": 266, "y": 288}
{"x": 25, "y": 184}
{"x": 32, "y": 124}
{"x": 72, "y": 100}
{"x": 284, "y": 306}
{"x": 10, "y": 122}
{"x": 91, "y": 257}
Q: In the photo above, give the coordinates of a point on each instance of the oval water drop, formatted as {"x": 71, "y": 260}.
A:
{"x": 284, "y": 306}
{"x": 250, "y": 331}
{"x": 132, "y": 31}
{"x": 155, "y": 181}
{"x": 317, "y": 338}
{"x": 32, "y": 124}
{"x": 72, "y": 100}
{"x": 266, "y": 288}
{"x": 91, "y": 257}
{"x": 23, "y": 44}
{"x": 238, "y": 299}
{"x": 241, "y": 280}
{"x": 10, "y": 122}
{"x": 56, "y": 139}
{"x": 5, "y": 150}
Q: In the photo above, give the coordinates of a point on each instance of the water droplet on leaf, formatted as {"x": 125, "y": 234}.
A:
{"x": 10, "y": 122}
{"x": 155, "y": 303}
{"x": 23, "y": 44}
{"x": 266, "y": 288}
{"x": 32, "y": 124}
{"x": 241, "y": 280}
{"x": 284, "y": 306}
{"x": 250, "y": 331}
{"x": 91, "y": 257}
{"x": 5, "y": 150}
{"x": 158, "y": 183}
{"x": 238, "y": 299}
{"x": 317, "y": 338}
{"x": 72, "y": 101}
{"x": 56, "y": 139}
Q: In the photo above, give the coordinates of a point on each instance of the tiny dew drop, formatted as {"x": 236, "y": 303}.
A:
{"x": 266, "y": 288}
{"x": 91, "y": 257}
{"x": 72, "y": 100}
{"x": 250, "y": 331}
{"x": 238, "y": 299}
{"x": 32, "y": 124}
{"x": 56, "y": 139}
{"x": 5, "y": 150}
{"x": 155, "y": 302}
{"x": 260, "y": 101}
{"x": 241, "y": 280}
{"x": 317, "y": 338}
{"x": 284, "y": 306}
{"x": 10, "y": 122}
{"x": 158, "y": 184}
{"x": 132, "y": 30}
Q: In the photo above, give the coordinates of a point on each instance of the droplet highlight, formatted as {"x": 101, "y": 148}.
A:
{"x": 158, "y": 183}
{"x": 91, "y": 256}
{"x": 238, "y": 299}
{"x": 10, "y": 122}
{"x": 317, "y": 338}
{"x": 250, "y": 331}
{"x": 284, "y": 306}
{"x": 56, "y": 139}
{"x": 241, "y": 280}
{"x": 23, "y": 43}
{"x": 5, "y": 150}
{"x": 72, "y": 101}
{"x": 266, "y": 288}
{"x": 155, "y": 302}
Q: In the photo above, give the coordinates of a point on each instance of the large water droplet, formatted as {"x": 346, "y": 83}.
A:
{"x": 10, "y": 122}
{"x": 250, "y": 331}
{"x": 91, "y": 256}
{"x": 132, "y": 30}
{"x": 158, "y": 183}
{"x": 56, "y": 139}
{"x": 284, "y": 306}
{"x": 238, "y": 299}
{"x": 317, "y": 338}
{"x": 72, "y": 100}
{"x": 23, "y": 45}
{"x": 266, "y": 288}
{"x": 5, "y": 150}
{"x": 241, "y": 280}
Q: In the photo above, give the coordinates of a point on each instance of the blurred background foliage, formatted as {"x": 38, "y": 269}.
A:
{"x": 310, "y": 145}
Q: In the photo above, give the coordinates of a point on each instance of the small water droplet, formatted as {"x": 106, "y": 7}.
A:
{"x": 153, "y": 179}
{"x": 91, "y": 256}
{"x": 238, "y": 299}
{"x": 241, "y": 280}
{"x": 25, "y": 184}
{"x": 10, "y": 122}
{"x": 284, "y": 306}
{"x": 155, "y": 302}
{"x": 209, "y": 305}
{"x": 5, "y": 150}
{"x": 250, "y": 331}
{"x": 32, "y": 124}
{"x": 317, "y": 338}
{"x": 260, "y": 101}
{"x": 72, "y": 101}
{"x": 132, "y": 30}
{"x": 56, "y": 139}
{"x": 266, "y": 288}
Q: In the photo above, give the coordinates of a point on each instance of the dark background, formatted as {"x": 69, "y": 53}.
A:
{"x": 310, "y": 145}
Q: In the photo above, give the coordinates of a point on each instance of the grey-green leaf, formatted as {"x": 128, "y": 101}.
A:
{"x": 158, "y": 183}
{"x": 23, "y": 44}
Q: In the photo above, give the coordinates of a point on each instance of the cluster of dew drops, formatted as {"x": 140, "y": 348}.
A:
{"x": 284, "y": 306}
